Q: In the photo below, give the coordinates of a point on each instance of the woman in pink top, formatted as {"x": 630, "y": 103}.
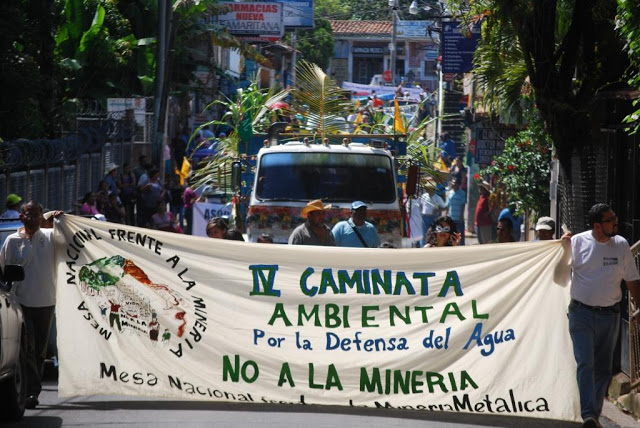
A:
{"x": 165, "y": 220}
{"x": 89, "y": 205}
{"x": 189, "y": 196}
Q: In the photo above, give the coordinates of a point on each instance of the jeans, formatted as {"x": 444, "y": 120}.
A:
{"x": 188, "y": 216}
{"x": 594, "y": 334}
{"x": 484, "y": 234}
{"x": 37, "y": 323}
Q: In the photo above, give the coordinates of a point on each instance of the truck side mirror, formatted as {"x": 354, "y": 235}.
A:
{"x": 11, "y": 274}
{"x": 236, "y": 175}
{"x": 412, "y": 180}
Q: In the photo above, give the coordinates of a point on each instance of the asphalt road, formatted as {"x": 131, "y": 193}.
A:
{"x": 122, "y": 411}
{"x": 116, "y": 411}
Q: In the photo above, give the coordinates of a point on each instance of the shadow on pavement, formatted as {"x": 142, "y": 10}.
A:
{"x": 36, "y": 421}
{"x": 433, "y": 416}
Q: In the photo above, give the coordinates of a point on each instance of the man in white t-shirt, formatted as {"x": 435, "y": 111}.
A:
{"x": 600, "y": 261}
{"x": 32, "y": 248}
{"x": 433, "y": 202}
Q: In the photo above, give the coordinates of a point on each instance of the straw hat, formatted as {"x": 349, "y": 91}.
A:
{"x": 485, "y": 185}
{"x": 110, "y": 167}
{"x": 316, "y": 205}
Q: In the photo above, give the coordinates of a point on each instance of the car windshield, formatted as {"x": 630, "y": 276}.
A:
{"x": 328, "y": 176}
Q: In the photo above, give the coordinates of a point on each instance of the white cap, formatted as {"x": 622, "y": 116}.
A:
{"x": 546, "y": 223}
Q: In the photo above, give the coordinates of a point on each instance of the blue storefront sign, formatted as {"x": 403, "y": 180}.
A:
{"x": 458, "y": 47}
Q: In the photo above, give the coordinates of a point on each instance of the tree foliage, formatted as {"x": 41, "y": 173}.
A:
{"x": 55, "y": 55}
{"x": 332, "y": 9}
{"x": 98, "y": 53}
{"x": 374, "y": 10}
{"x": 28, "y": 73}
{"x": 523, "y": 168}
{"x": 629, "y": 27}
{"x": 562, "y": 51}
{"x": 316, "y": 45}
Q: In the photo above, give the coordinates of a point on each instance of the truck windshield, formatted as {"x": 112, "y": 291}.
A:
{"x": 330, "y": 176}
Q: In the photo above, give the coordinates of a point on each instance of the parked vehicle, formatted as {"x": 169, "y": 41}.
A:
{"x": 7, "y": 227}
{"x": 13, "y": 388}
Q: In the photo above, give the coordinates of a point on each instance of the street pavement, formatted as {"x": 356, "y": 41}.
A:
{"x": 122, "y": 411}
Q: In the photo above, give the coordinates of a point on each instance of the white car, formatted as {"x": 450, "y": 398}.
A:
{"x": 13, "y": 392}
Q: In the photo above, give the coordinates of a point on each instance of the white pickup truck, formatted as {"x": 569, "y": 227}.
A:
{"x": 12, "y": 364}
{"x": 290, "y": 175}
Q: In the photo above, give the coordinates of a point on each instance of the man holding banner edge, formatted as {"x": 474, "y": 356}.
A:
{"x": 600, "y": 261}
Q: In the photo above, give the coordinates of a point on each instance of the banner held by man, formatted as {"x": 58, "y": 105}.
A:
{"x": 467, "y": 329}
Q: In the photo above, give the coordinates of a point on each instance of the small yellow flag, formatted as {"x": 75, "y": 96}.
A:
{"x": 184, "y": 171}
{"x": 186, "y": 167}
{"x": 440, "y": 165}
{"x": 358, "y": 122}
{"x": 398, "y": 125}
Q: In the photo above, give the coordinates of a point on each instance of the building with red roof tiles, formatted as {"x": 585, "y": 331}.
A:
{"x": 362, "y": 52}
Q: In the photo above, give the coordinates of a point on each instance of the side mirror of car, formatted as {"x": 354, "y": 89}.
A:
{"x": 11, "y": 274}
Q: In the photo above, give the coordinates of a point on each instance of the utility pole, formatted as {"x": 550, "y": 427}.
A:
{"x": 160, "y": 101}
{"x": 393, "y": 4}
{"x": 294, "y": 58}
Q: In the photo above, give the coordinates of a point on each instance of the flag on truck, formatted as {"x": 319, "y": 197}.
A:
{"x": 398, "y": 125}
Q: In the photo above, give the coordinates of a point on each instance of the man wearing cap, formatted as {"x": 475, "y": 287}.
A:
{"x": 545, "y": 228}
{"x": 600, "y": 260}
{"x": 313, "y": 231}
{"x": 356, "y": 231}
{"x": 13, "y": 206}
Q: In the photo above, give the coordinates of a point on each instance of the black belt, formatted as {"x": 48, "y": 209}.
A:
{"x": 612, "y": 308}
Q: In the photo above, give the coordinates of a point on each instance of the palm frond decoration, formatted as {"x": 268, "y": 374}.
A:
{"x": 326, "y": 102}
{"x": 251, "y": 102}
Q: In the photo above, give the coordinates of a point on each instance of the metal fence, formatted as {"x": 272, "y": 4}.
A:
{"x": 58, "y": 173}
{"x": 607, "y": 172}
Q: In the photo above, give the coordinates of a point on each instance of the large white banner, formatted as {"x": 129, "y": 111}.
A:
{"x": 478, "y": 329}
{"x": 362, "y": 89}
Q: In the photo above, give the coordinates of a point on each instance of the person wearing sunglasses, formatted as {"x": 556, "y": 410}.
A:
{"x": 600, "y": 260}
{"x": 443, "y": 233}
